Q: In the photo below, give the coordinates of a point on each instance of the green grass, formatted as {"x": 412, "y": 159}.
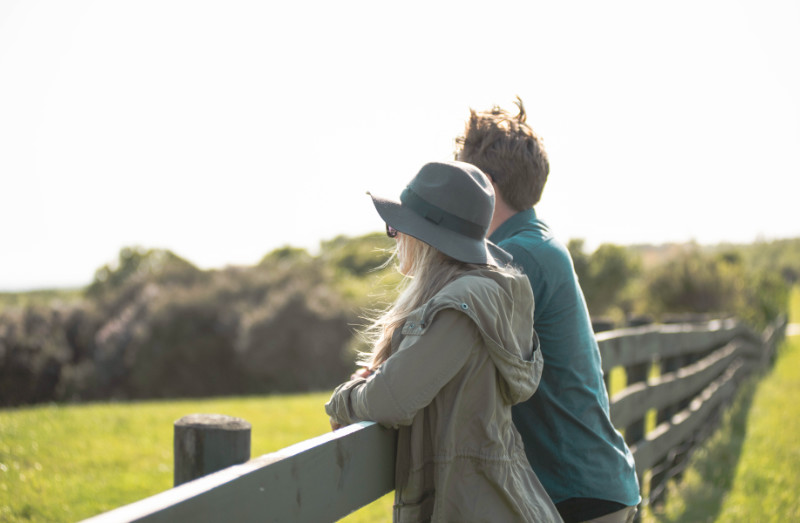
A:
{"x": 794, "y": 305}
{"x": 66, "y": 463}
{"x": 766, "y": 482}
{"x": 747, "y": 471}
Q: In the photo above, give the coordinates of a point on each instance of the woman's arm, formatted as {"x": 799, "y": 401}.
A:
{"x": 409, "y": 380}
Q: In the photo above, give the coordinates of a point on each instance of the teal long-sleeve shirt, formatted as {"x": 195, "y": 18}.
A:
{"x": 570, "y": 442}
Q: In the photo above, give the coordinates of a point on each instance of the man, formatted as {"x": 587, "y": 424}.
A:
{"x": 578, "y": 455}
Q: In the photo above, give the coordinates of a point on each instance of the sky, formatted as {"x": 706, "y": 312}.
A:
{"x": 222, "y": 130}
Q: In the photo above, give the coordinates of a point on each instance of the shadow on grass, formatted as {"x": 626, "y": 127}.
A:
{"x": 709, "y": 477}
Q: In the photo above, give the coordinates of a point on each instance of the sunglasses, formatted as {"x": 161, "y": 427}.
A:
{"x": 391, "y": 232}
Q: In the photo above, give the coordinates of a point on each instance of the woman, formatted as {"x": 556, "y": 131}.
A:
{"x": 450, "y": 357}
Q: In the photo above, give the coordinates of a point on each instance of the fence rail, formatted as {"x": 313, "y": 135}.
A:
{"x": 682, "y": 375}
{"x": 321, "y": 479}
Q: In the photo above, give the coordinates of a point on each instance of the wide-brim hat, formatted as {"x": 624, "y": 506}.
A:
{"x": 449, "y": 206}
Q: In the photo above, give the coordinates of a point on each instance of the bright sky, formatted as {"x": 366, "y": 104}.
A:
{"x": 222, "y": 129}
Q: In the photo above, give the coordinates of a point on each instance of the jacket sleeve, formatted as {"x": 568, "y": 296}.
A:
{"x": 409, "y": 379}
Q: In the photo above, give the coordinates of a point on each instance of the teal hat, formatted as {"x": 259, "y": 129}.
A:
{"x": 449, "y": 206}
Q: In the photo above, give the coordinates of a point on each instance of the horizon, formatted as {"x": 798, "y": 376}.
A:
{"x": 221, "y": 132}
{"x": 316, "y": 252}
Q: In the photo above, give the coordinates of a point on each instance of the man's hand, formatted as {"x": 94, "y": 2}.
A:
{"x": 334, "y": 425}
{"x": 363, "y": 372}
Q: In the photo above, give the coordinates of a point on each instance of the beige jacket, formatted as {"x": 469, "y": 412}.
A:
{"x": 458, "y": 365}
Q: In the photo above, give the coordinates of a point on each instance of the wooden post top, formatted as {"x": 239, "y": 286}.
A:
{"x": 212, "y": 421}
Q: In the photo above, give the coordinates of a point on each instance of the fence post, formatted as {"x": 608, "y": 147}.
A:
{"x": 658, "y": 479}
{"x": 635, "y": 374}
{"x": 635, "y": 432}
{"x": 206, "y": 443}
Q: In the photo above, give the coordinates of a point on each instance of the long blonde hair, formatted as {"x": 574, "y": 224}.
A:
{"x": 427, "y": 270}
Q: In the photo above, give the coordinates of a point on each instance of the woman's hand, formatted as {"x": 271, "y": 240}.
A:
{"x": 363, "y": 372}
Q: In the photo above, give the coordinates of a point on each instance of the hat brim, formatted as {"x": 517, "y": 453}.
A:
{"x": 451, "y": 243}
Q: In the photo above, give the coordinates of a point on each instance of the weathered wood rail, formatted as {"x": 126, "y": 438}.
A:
{"x": 679, "y": 378}
{"x": 682, "y": 375}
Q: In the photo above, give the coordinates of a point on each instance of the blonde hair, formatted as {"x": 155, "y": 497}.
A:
{"x": 506, "y": 148}
{"x": 427, "y": 271}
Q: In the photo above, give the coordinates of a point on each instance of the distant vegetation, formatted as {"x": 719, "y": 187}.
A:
{"x": 676, "y": 282}
{"x": 152, "y": 325}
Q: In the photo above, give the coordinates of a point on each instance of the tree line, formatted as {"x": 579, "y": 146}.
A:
{"x": 153, "y": 325}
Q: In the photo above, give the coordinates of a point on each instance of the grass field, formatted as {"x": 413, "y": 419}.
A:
{"x": 748, "y": 470}
{"x": 66, "y": 463}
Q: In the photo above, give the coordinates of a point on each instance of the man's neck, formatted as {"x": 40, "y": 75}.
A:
{"x": 502, "y": 212}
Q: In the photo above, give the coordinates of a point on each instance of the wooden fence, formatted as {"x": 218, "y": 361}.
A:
{"x": 679, "y": 379}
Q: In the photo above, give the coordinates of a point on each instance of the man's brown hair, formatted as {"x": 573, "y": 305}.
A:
{"x": 506, "y": 148}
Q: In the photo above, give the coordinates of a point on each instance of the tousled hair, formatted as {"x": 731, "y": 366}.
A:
{"x": 506, "y": 148}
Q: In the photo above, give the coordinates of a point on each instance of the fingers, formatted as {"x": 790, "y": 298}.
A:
{"x": 363, "y": 372}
